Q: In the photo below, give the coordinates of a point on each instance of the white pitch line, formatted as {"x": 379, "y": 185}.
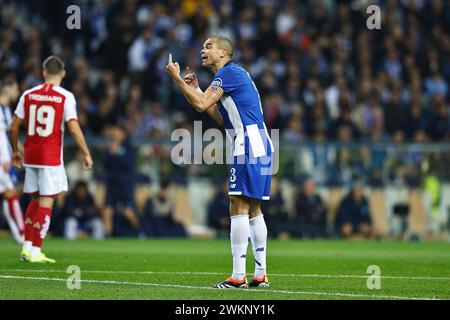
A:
{"x": 221, "y": 273}
{"x": 337, "y": 294}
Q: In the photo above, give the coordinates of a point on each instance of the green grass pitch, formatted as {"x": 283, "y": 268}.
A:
{"x": 186, "y": 269}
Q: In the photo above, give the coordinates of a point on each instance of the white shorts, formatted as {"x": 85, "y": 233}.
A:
{"x": 6, "y": 182}
{"x": 49, "y": 181}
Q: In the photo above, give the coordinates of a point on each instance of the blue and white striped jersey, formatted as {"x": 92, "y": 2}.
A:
{"x": 241, "y": 110}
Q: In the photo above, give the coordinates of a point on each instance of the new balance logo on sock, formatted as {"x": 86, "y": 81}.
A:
{"x": 257, "y": 262}
{"x": 244, "y": 256}
{"x": 260, "y": 249}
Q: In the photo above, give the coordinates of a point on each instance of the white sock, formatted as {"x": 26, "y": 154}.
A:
{"x": 258, "y": 236}
{"x": 240, "y": 231}
{"x": 27, "y": 245}
{"x": 35, "y": 251}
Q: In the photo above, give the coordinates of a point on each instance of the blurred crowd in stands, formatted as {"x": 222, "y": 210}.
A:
{"x": 321, "y": 72}
{"x": 322, "y": 75}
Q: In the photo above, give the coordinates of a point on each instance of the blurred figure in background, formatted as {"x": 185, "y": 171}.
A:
{"x": 76, "y": 173}
{"x": 9, "y": 92}
{"x": 276, "y": 214}
{"x": 218, "y": 211}
{"x": 311, "y": 213}
{"x": 158, "y": 219}
{"x": 80, "y": 214}
{"x": 119, "y": 166}
{"x": 353, "y": 215}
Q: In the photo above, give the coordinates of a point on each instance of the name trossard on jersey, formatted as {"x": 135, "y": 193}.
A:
{"x": 45, "y": 109}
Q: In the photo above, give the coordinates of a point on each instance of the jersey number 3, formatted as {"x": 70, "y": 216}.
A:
{"x": 45, "y": 117}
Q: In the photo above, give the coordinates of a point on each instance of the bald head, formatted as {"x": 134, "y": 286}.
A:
{"x": 224, "y": 44}
{"x": 216, "y": 52}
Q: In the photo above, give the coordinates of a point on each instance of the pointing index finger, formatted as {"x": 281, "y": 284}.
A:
{"x": 170, "y": 58}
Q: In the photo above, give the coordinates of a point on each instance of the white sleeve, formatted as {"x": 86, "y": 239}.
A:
{"x": 4, "y": 148}
{"x": 70, "y": 108}
{"x": 20, "y": 109}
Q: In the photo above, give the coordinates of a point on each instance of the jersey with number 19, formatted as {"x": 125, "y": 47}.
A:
{"x": 45, "y": 109}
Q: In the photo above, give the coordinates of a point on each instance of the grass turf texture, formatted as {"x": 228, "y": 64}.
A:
{"x": 186, "y": 269}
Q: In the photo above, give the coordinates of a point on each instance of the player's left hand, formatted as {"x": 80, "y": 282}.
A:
{"x": 88, "y": 162}
{"x": 173, "y": 68}
{"x": 17, "y": 159}
{"x": 191, "y": 78}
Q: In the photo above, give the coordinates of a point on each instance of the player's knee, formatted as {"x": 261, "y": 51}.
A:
{"x": 234, "y": 201}
{"x": 9, "y": 193}
{"x": 238, "y": 205}
{"x": 46, "y": 202}
{"x": 255, "y": 208}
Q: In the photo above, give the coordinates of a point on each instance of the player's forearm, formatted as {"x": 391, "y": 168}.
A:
{"x": 14, "y": 139}
{"x": 14, "y": 134}
{"x": 78, "y": 138}
{"x": 81, "y": 143}
{"x": 214, "y": 113}
{"x": 195, "y": 98}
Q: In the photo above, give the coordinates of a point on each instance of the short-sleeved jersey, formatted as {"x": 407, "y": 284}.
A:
{"x": 241, "y": 110}
{"x": 45, "y": 109}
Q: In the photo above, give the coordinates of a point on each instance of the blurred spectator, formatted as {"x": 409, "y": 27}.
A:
{"x": 439, "y": 123}
{"x": 219, "y": 211}
{"x": 343, "y": 128}
{"x": 119, "y": 173}
{"x": 370, "y": 117}
{"x": 275, "y": 213}
{"x": 154, "y": 123}
{"x": 75, "y": 171}
{"x": 415, "y": 122}
{"x": 158, "y": 220}
{"x": 80, "y": 214}
{"x": 320, "y": 55}
{"x": 435, "y": 84}
{"x": 294, "y": 132}
{"x": 394, "y": 114}
{"x": 311, "y": 213}
{"x": 141, "y": 53}
{"x": 353, "y": 215}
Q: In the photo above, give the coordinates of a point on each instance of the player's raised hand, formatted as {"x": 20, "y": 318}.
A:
{"x": 17, "y": 159}
{"x": 88, "y": 163}
{"x": 172, "y": 68}
{"x": 191, "y": 78}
